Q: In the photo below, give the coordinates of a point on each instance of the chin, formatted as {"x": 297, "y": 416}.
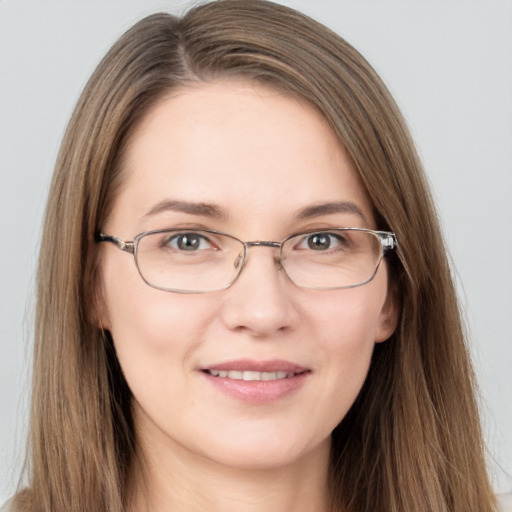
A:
{"x": 266, "y": 452}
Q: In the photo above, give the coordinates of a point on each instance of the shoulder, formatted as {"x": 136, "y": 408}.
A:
{"x": 504, "y": 502}
{"x": 6, "y": 507}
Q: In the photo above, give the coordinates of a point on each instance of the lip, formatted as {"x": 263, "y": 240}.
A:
{"x": 274, "y": 365}
{"x": 257, "y": 391}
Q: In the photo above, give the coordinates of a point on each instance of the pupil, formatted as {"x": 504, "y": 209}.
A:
{"x": 188, "y": 242}
{"x": 319, "y": 242}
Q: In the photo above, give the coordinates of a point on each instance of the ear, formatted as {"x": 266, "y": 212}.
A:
{"x": 388, "y": 318}
{"x": 101, "y": 317}
{"x": 99, "y": 311}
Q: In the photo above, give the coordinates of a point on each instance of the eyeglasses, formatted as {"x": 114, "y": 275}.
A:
{"x": 200, "y": 261}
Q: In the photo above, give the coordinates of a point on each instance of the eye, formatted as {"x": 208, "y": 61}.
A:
{"x": 321, "y": 241}
{"x": 188, "y": 242}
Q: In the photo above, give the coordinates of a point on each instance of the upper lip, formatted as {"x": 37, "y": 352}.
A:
{"x": 274, "y": 365}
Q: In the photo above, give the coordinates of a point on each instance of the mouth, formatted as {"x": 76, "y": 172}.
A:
{"x": 252, "y": 375}
{"x": 257, "y": 382}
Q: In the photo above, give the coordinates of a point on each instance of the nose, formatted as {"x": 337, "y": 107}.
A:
{"x": 261, "y": 302}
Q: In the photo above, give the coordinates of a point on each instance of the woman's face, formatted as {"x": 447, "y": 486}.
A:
{"x": 260, "y": 159}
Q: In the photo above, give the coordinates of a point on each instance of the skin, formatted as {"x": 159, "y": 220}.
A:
{"x": 260, "y": 156}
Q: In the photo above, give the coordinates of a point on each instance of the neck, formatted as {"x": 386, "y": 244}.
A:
{"x": 180, "y": 481}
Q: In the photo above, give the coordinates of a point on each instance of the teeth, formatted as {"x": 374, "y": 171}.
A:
{"x": 251, "y": 375}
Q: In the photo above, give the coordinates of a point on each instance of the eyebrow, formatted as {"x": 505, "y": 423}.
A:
{"x": 215, "y": 212}
{"x": 203, "y": 209}
{"x": 331, "y": 208}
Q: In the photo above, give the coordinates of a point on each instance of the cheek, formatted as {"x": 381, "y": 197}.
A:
{"x": 348, "y": 319}
{"x": 150, "y": 326}
{"x": 156, "y": 335}
{"x": 348, "y": 340}
{"x": 346, "y": 324}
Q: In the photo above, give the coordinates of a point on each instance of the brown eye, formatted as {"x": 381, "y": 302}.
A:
{"x": 322, "y": 241}
{"x": 319, "y": 242}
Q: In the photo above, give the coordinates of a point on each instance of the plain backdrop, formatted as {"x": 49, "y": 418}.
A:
{"x": 447, "y": 62}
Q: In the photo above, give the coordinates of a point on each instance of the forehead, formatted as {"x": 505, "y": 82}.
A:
{"x": 252, "y": 150}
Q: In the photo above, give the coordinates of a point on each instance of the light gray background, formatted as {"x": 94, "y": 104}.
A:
{"x": 448, "y": 63}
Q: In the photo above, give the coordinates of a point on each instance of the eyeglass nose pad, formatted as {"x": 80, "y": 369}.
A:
{"x": 239, "y": 259}
{"x": 279, "y": 263}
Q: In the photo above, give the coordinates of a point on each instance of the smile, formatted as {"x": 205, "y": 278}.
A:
{"x": 257, "y": 382}
{"x": 249, "y": 375}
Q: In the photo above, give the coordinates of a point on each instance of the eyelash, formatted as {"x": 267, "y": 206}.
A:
{"x": 176, "y": 237}
{"x": 197, "y": 240}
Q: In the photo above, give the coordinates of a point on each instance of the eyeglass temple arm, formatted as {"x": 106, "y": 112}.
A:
{"x": 388, "y": 241}
{"x": 120, "y": 244}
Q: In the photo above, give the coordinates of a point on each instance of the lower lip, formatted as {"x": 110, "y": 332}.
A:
{"x": 258, "y": 391}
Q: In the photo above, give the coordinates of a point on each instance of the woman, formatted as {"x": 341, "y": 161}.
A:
{"x": 283, "y": 331}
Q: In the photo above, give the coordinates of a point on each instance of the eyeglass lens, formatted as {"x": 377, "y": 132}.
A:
{"x": 200, "y": 261}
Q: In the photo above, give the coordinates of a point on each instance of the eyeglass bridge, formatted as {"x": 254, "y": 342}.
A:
{"x": 263, "y": 243}
{"x": 387, "y": 240}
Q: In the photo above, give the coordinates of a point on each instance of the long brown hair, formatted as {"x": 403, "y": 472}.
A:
{"x": 412, "y": 439}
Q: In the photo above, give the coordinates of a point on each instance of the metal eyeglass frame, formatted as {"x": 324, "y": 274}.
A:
{"x": 387, "y": 239}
